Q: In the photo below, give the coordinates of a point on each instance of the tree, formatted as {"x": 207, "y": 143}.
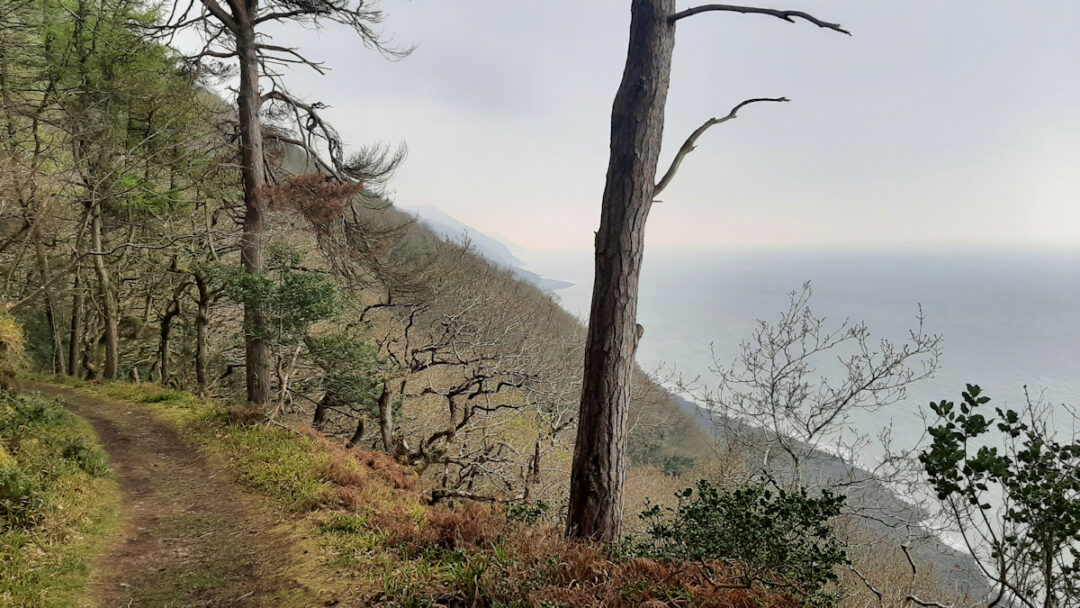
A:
{"x": 351, "y": 378}
{"x": 237, "y": 31}
{"x": 1014, "y": 496}
{"x": 637, "y": 122}
{"x": 291, "y": 302}
{"x": 789, "y": 395}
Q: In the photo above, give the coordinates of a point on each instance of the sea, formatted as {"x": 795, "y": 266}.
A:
{"x": 1009, "y": 319}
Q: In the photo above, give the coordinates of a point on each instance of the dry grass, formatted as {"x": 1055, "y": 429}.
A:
{"x": 885, "y": 567}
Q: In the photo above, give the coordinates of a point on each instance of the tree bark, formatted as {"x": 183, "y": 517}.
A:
{"x": 58, "y": 366}
{"x": 164, "y": 333}
{"x": 357, "y": 435}
{"x": 253, "y": 240}
{"x": 75, "y": 338}
{"x": 637, "y": 122}
{"x": 108, "y": 299}
{"x": 202, "y": 322}
{"x": 319, "y": 419}
{"x": 386, "y": 420}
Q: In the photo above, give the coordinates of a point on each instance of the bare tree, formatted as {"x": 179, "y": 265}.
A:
{"x": 637, "y": 121}
{"x": 790, "y": 394}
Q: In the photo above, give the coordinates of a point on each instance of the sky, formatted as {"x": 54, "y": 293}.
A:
{"x": 936, "y": 125}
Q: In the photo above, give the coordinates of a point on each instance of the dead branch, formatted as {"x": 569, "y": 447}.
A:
{"x": 788, "y": 16}
{"x": 688, "y": 145}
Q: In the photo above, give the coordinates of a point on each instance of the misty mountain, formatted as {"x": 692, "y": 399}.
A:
{"x": 489, "y": 247}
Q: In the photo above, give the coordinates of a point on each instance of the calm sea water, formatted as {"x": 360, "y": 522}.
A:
{"x": 1008, "y": 319}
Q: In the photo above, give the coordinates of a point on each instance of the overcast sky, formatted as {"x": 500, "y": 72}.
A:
{"x": 939, "y": 123}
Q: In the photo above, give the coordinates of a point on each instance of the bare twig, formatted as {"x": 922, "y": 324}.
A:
{"x": 880, "y": 597}
{"x": 910, "y": 561}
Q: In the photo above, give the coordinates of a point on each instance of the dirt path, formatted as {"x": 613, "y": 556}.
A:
{"x": 191, "y": 536}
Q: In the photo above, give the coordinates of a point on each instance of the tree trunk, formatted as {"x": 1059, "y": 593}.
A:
{"x": 163, "y": 344}
{"x": 58, "y": 366}
{"x": 319, "y": 419}
{"x": 252, "y": 241}
{"x": 386, "y": 420}
{"x": 357, "y": 435}
{"x": 637, "y": 122}
{"x": 75, "y": 338}
{"x": 202, "y": 322}
{"x": 108, "y": 299}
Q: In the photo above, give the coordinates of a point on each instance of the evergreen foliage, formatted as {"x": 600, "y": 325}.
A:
{"x": 351, "y": 368}
{"x": 1013, "y": 490}
{"x": 292, "y": 299}
{"x": 762, "y": 535}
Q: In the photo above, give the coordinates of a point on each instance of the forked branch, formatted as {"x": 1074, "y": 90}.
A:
{"x": 789, "y": 16}
{"x": 689, "y": 145}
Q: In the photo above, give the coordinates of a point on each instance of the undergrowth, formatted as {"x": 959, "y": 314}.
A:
{"x": 384, "y": 545}
{"x": 57, "y": 502}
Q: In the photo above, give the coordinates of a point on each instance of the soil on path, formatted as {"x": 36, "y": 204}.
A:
{"x": 192, "y": 538}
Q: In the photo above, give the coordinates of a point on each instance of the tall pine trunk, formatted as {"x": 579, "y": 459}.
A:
{"x": 637, "y": 121}
{"x": 253, "y": 241}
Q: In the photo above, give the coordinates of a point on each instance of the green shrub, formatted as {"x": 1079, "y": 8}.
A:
{"x": 351, "y": 370}
{"x": 19, "y": 413}
{"x": 40, "y": 445}
{"x": 291, "y": 300}
{"x": 763, "y": 535}
{"x": 676, "y": 464}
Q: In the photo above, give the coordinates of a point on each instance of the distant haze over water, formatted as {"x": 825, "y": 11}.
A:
{"x": 1007, "y": 318}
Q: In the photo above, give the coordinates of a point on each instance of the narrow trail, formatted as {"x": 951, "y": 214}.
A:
{"x": 192, "y": 538}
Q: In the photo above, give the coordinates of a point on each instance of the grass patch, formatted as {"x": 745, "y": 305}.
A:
{"x": 58, "y": 502}
{"x": 271, "y": 460}
{"x": 56, "y": 379}
{"x": 144, "y": 393}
